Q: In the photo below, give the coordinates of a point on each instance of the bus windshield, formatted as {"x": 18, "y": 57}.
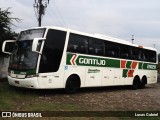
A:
{"x": 23, "y": 58}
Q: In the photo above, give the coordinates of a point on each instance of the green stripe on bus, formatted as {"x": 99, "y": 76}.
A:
{"x": 128, "y": 65}
{"x": 147, "y": 66}
{"x": 125, "y": 73}
{"x": 91, "y": 61}
{"x": 24, "y": 72}
{"x": 69, "y": 56}
{"x": 74, "y": 59}
{"x": 113, "y": 63}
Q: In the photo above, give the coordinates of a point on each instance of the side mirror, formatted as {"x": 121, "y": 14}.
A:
{"x": 36, "y": 45}
{"x": 7, "y": 46}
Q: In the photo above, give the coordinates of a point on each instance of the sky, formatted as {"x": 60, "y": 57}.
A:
{"x": 116, "y": 18}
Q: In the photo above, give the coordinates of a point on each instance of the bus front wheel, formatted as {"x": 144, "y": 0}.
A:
{"x": 72, "y": 84}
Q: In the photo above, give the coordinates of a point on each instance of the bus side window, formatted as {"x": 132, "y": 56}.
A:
{"x": 110, "y": 53}
{"x": 77, "y": 44}
{"x": 72, "y": 45}
{"x": 111, "y": 49}
{"x": 135, "y": 54}
{"x": 140, "y": 55}
{"x": 152, "y": 56}
{"x": 125, "y": 52}
{"x": 96, "y": 47}
{"x": 145, "y": 55}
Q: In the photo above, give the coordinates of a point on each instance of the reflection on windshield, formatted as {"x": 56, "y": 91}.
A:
{"x": 31, "y": 34}
{"x": 23, "y": 58}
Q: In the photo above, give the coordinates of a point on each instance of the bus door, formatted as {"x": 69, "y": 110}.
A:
{"x": 50, "y": 61}
{"x": 93, "y": 76}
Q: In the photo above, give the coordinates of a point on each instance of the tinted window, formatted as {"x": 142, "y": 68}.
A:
{"x": 96, "y": 47}
{"x": 152, "y": 56}
{"x": 77, "y": 44}
{"x": 135, "y": 54}
{"x": 145, "y": 55}
{"x": 93, "y": 46}
{"x": 112, "y": 49}
{"x": 52, "y": 51}
{"x": 125, "y": 52}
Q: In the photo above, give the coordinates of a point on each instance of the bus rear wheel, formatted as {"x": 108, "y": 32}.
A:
{"x": 72, "y": 84}
{"x": 136, "y": 83}
{"x": 143, "y": 82}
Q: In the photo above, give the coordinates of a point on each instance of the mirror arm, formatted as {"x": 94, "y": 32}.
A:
{"x": 35, "y": 44}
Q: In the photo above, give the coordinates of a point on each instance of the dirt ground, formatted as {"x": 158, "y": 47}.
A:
{"x": 120, "y": 98}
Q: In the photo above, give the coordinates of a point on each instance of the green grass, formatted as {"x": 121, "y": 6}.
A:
{"x": 12, "y": 98}
{"x": 5, "y": 97}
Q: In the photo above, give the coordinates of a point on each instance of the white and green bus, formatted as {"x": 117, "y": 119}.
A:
{"x": 54, "y": 57}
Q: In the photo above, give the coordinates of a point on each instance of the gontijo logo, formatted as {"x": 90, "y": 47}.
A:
{"x": 87, "y": 61}
{"x": 91, "y": 61}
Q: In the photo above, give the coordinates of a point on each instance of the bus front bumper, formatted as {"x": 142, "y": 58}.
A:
{"x": 26, "y": 83}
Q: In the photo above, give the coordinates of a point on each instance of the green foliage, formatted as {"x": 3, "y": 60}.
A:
{"x": 6, "y": 21}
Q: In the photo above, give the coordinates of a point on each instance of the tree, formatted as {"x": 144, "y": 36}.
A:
{"x": 6, "y": 21}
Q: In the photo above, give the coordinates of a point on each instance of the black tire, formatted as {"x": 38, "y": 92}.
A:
{"x": 142, "y": 85}
{"x": 143, "y": 82}
{"x": 136, "y": 83}
{"x": 72, "y": 84}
